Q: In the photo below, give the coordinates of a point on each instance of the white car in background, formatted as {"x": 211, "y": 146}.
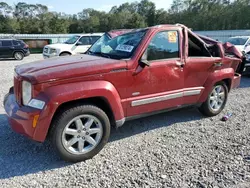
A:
{"x": 241, "y": 42}
{"x": 75, "y": 45}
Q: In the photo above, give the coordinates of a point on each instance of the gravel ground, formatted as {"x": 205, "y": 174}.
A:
{"x": 176, "y": 149}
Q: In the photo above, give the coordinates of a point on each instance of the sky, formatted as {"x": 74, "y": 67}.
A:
{"x": 75, "y": 6}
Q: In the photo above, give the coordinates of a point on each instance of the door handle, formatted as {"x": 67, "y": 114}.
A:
{"x": 218, "y": 64}
{"x": 180, "y": 64}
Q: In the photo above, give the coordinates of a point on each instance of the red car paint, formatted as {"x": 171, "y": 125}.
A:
{"x": 123, "y": 84}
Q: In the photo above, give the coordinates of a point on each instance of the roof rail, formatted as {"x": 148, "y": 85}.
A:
{"x": 8, "y": 37}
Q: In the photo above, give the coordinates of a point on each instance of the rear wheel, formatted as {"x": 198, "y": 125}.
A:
{"x": 216, "y": 100}
{"x": 80, "y": 132}
{"x": 18, "y": 55}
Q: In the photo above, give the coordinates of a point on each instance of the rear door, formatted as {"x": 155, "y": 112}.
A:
{"x": 199, "y": 64}
{"x": 6, "y": 48}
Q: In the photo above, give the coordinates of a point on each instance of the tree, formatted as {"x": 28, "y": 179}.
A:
{"x": 197, "y": 14}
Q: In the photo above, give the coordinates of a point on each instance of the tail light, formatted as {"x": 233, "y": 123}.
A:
{"x": 26, "y": 46}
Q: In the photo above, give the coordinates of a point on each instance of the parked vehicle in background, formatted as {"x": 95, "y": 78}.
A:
{"x": 75, "y": 45}
{"x": 12, "y": 48}
{"x": 76, "y": 99}
{"x": 241, "y": 42}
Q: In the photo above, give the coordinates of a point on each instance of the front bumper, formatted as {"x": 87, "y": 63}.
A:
{"x": 20, "y": 117}
{"x": 46, "y": 56}
{"x": 247, "y": 67}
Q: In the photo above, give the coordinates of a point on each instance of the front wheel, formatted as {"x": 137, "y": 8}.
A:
{"x": 216, "y": 100}
{"x": 80, "y": 132}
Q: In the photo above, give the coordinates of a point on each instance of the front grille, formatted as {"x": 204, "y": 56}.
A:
{"x": 45, "y": 50}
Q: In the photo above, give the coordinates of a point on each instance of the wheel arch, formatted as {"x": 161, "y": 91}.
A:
{"x": 65, "y": 52}
{"x": 224, "y": 75}
{"x": 100, "y": 102}
{"x": 15, "y": 51}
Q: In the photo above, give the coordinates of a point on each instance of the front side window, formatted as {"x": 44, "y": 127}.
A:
{"x": 72, "y": 40}
{"x": 164, "y": 45}
{"x": 120, "y": 47}
{"x": 6, "y": 43}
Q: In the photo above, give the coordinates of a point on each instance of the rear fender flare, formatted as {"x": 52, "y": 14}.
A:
{"x": 213, "y": 78}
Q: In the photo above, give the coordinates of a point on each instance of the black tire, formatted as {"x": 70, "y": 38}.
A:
{"x": 206, "y": 109}
{"x": 65, "y": 54}
{"x": 65, "y": 117}
{"x": 18, "y": 56}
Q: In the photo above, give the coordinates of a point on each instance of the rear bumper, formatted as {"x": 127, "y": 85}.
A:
{"x": 20, "y": 117}
{"x": 236, "y": 81}
{"x": 27, "y": 53}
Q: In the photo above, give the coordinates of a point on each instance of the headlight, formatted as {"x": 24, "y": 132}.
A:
{"x": 26, "y": 92}
{"x": 52, "y": 51}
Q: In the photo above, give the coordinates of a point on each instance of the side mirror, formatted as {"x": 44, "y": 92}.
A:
{"x": 144, "y": 59}
{"x": 142, "y": 63}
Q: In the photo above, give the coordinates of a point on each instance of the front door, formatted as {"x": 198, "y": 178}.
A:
{"x": 82, "y": 45}
{"x": 159, "y": 86}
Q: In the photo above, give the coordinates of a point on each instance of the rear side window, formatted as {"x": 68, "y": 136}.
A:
{"x": 6, "y": 43}
{"x": 16, "y": 43}
{"x": 164, "y": 45}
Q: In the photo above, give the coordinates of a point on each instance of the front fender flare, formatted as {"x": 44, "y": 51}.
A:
{"x": 57, "y": 95}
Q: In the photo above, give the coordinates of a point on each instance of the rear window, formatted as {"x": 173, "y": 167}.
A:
{"x": 237, "y": 41}
{"x": 6, "y": 43}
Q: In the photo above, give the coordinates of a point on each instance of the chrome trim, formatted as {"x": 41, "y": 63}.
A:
{"x": 157, "y": 99}
{"x": 166, "y": 97}
{"x": 192, "y": 92}
{"x": 120, "y": 122}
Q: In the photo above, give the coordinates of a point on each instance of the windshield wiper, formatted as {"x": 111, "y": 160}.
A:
{"x": 100, "y": 54}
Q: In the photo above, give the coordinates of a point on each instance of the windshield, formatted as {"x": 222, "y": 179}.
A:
{"x": 237, "y": 41}
{"x": 120, "y": 47}
{"x": 72, "y": 40}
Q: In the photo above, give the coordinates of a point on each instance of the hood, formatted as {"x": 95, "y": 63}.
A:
{"x": 59, "y": 45}
{"x": 67, "y": 67}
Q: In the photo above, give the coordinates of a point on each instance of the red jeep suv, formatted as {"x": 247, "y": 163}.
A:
{"x": 76, "y": 99}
